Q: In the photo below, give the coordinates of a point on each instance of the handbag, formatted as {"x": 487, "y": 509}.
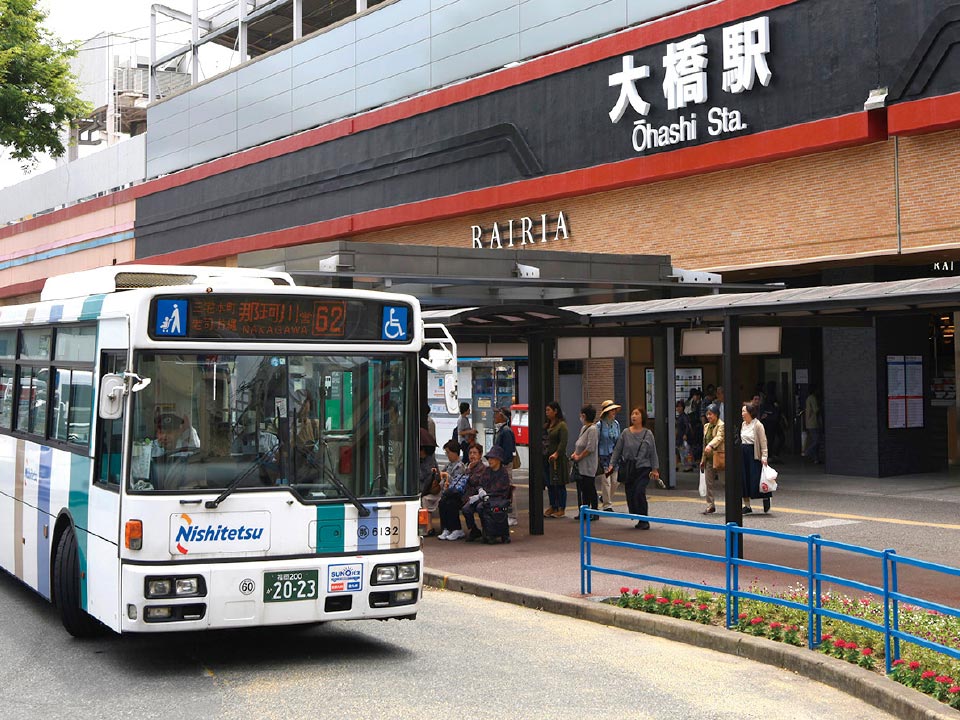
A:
{"x": 703, "y": 483}
{"x": 516, "y": 461}
{"x": 768, "y": 479}
{"x": 719, "y": 460}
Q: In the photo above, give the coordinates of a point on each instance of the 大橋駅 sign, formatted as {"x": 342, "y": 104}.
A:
{"x": 685, "y": 87}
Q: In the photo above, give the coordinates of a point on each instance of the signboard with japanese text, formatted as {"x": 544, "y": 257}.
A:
{"x": 279, "y": 318}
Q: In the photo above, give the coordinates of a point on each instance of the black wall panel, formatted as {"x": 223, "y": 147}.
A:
{"x": 826, "y": 56}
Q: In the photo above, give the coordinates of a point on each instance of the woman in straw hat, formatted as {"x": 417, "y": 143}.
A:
{"x": 609, "y": 433}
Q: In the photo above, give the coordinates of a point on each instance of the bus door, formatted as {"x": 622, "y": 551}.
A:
{"x": 103, "y": 514}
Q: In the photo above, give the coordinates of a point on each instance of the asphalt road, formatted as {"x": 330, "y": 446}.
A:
{"x": 464, "y": 657}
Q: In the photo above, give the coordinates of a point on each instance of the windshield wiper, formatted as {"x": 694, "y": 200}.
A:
{"x": 328, "y": 474}
{"x": 235, "y": 483}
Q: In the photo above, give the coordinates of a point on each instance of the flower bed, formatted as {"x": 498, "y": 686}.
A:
{"x": 925, "y": 670}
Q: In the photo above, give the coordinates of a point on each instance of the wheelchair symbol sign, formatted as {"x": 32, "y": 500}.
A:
{"x": 394, "y": 326}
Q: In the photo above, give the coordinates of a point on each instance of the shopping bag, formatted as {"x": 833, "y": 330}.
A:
{"x": 703, "y": 483}
{"x": 768, "y": 479}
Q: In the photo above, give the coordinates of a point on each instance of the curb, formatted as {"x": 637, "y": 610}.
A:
{"x": 877, "y": 690}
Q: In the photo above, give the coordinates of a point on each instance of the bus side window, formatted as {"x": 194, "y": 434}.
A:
{"x": 110, "y": 432}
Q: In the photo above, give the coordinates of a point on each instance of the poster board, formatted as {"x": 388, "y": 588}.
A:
{"x": 904, "y": 391}
{"x": 685, "y": 379}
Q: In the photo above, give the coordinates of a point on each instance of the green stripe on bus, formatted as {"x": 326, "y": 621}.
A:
{"x": 78, "y": 503}
{"x": 91, "y": 307}
{"x": 330, "y": 528}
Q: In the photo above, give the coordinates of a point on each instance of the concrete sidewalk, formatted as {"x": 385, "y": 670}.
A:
{"x": 918, "y": 516}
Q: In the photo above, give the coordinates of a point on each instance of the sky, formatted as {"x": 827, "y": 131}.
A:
{"x": 78, "y": 20}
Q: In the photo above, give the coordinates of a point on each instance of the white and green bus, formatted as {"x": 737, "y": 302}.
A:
{"x": 191, "y": 447}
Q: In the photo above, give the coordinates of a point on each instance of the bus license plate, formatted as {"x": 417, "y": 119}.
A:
{"x": 290, "y": 585}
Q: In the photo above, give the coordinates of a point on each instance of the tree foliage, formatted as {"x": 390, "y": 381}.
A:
{"x": 38, "y": 93}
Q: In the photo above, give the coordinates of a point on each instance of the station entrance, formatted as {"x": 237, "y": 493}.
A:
{"x": 537, "y": 326}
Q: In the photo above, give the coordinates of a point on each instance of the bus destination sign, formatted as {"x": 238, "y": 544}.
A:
{"x": 269, "y": 318}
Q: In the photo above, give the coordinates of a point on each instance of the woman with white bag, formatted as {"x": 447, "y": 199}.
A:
{"x": 712, "y": 463}
{"x": 753, "y": 444}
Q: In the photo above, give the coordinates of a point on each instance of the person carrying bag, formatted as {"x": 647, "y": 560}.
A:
{"x": 636, "y": 454}
{"x": 585, "y": 459}
{"x": 713, "y": 461}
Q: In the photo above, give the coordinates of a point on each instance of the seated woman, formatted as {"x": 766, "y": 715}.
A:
{"x": 491, "y": 481}
{"x": 453, "y": 481}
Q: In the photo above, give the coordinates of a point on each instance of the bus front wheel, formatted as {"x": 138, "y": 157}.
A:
{"x": 66, "y": 588}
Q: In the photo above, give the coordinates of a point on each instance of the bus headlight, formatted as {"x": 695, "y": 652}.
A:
{"x": 175, "y": 587}
{"x": 408, "y": 572}
{"x": 187, "y": 586}
{"x": 385, "y": 574}
{"x": 401, "y": 573}
{"x": 158, "y": 588}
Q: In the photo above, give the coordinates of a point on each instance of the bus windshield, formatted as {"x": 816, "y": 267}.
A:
{"x": 326, "y": 426}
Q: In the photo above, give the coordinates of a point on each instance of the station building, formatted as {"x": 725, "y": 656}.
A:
{"x": 781, "y": 143}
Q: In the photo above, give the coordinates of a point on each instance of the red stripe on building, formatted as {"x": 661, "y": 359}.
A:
{"x": 649, "y": 34}
{"x": 925, "y": 116}
{"x": 794, "y": 141}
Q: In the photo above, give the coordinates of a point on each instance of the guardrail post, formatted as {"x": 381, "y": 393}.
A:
{"x": 584, "y": 582}
{"x": 811, "y": 612}
{"x": 895, "y": 588}
{"x": 587, "y": 535}
{"x": 818, "y": 585}
{"x": 728, "y": 538}
{"x": 886, "y": 611}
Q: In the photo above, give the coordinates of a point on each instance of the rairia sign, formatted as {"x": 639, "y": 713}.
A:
{"x": 745, "y": 48}
{"x": 517, "y": 233}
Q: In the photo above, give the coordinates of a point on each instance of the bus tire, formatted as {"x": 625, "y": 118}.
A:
{"x": 66, "y": 588}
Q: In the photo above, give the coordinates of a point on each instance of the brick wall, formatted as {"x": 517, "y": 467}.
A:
{"x": 598, "y": 382}
{"x": 831, "y": 206}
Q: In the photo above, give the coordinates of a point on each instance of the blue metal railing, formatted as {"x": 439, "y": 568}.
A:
{"x": 888, "y": 591}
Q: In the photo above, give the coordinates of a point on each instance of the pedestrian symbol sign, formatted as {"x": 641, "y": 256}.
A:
{"x": 171, "y": 318}
{"x": 394, "y": 325}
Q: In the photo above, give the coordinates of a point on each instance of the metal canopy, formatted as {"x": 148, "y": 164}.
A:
{"x": 445, "y": 277}
{"x": 816, "y": 306}
{"x": 825, "y": 302}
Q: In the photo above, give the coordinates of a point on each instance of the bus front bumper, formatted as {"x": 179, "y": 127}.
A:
{"x": 176, "y": 596}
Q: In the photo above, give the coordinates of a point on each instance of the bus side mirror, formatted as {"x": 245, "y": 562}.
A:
{"x": 113, "y": 387}
{"x": 112, "y": 390}
{"x": 450, "y": 394}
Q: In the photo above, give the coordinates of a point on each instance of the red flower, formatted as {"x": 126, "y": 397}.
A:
{"x": 662, "y": 601}
{"x": 624, "y": 590}
{"x": 927, "y": 674}
{"x": 827, "y": 637}
{"x": 793, "y": 628}
{"x": 852, "y": 646}
{"x": 649, "y": 596}
{"x": 954, "y": 690}
{"x": 775, "y": 625}
{"x": 914, "y": 665}
{"x": 742, "y": 616}
{"x": 867, "y": 651}
{"x": 703, "y": 606}
{"x": 688, "y": 604}
{"x": 838, "y": 643}
{"x": 635, "y": 591}
{"x": 678, "y": 601}
{"x": 756, "y": 621}
{"x": 944, "y": 679}
{"x": 898, "y": 661}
